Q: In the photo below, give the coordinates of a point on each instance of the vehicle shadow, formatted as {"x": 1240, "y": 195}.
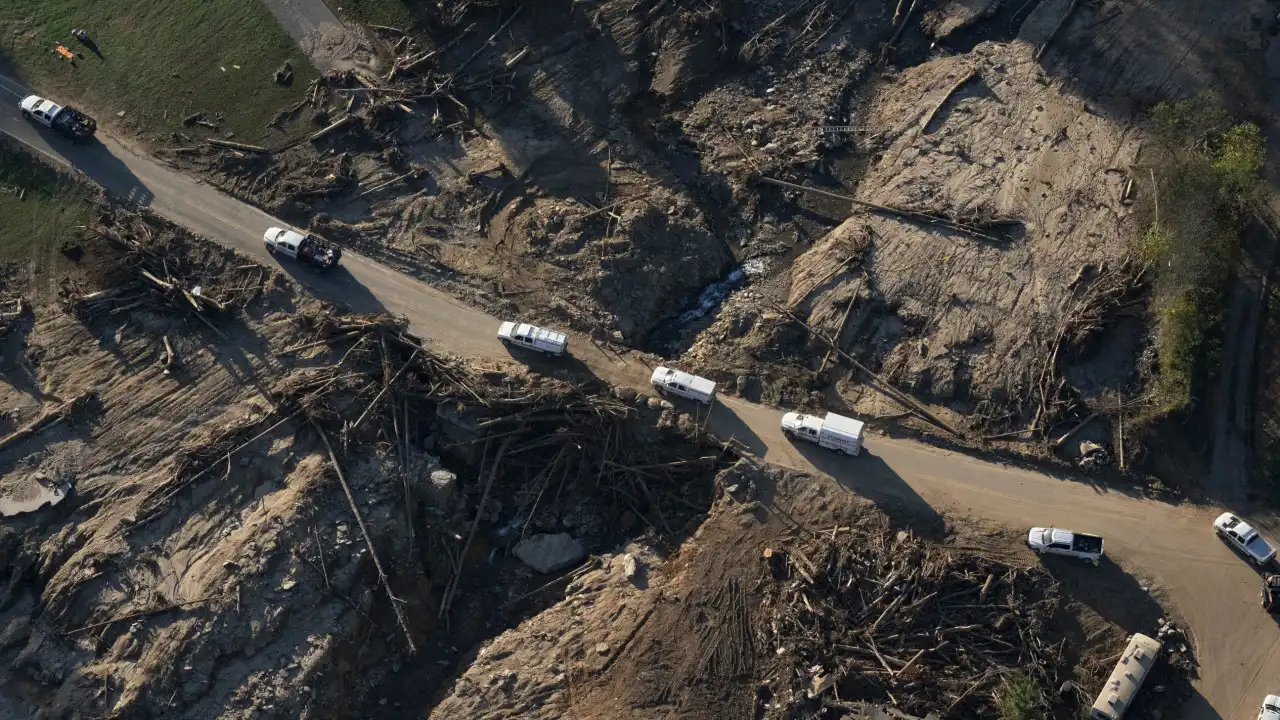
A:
{"x": 1196, "y": 706}
{"x": 338, "y": 286}
{"x": 869, "y": 476}
{"x": 96, "y": 161}
{"x": 726, "y": 426}
{"x": 1111, "y": 592}
{"x": 566, "y": 367}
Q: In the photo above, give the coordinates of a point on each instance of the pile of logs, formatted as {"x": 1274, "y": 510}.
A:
{"x": 157, "y": 272}
{"x": 875, "y": 615}
{"x": 1110, "y": 295}
{"x": 363, "y": 381}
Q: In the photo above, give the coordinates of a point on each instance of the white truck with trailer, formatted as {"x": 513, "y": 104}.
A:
{"x": 533, "y": 337}
{"x": 683, "y": 384}
{"x": 834, "y": 432}
{"x": 63, "y": 119}
{"x": 310, "y": 249}
{"x": 1055, "y": 541}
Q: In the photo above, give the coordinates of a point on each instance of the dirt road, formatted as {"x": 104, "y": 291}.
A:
{"x": 1171, "y": 549}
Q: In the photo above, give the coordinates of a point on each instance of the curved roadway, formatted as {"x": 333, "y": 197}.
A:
{"x": 1170, "y": 549}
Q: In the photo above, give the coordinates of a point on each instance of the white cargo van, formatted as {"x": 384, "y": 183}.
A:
{"x": 533, "y": 338}
{"x": 834, "y": 432}
{"x": 684, "y": 385}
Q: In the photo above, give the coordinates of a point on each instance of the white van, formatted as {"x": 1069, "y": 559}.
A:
{"x": 533, "y": 337}
{"x": 834, "y": 432}
{"x": 684, "y": 385}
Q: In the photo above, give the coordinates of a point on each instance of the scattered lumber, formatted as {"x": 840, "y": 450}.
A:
{"x": 927, "y": 626}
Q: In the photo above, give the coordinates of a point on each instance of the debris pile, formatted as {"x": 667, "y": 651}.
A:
{"x": 152, "y": 272}
{"x": 886, "y": 616}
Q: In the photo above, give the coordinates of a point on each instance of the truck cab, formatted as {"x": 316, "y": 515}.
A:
{"x": 683, "y": 384}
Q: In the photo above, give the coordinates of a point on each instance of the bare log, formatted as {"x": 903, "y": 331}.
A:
{"x": 368, "y": 541}
{"x": 333, "y": 127}
{"x": 237, "y": 146}
{"x": 952, "y": 91}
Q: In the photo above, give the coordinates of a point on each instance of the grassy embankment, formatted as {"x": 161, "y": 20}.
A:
{"x": 160, "y": 62}
{"x": 36, "y": 224}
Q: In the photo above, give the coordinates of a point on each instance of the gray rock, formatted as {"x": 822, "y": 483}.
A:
{"x": 548, "y": 553}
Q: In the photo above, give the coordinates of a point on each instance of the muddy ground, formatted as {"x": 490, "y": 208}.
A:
{"x": 603, "y": 167}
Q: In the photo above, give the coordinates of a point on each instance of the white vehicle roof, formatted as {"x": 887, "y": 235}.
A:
{"x": 1270, "y": 708}
{"x": 844, "y": 425}
{"x": 1052, "y": 535}
{"x": 35, "y": 103}
{"x": 693, "y": 382}
{"x": 799, "y": 421}
{"x": 1126, "y": 679}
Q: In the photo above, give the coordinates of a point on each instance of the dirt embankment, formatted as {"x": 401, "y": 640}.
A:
{"x": 795, "y": 596}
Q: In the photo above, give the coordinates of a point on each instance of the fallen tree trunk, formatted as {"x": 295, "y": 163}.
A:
{"x": 47, "y": 419}
{"x": 237, "y": 146}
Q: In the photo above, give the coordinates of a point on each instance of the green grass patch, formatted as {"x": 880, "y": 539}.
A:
{"x": 1019, "y": 699}
{"x": 162, "y": 61}
{"x": 52, "y": 211}
{"x": 392, "y": 13}
{"x": 1206, "y": 172}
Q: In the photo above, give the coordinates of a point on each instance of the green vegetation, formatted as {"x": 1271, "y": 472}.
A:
{"x": 162, "y": 61}
{"x": 1206, "y": 173}
{"x": 35, "y": 226}
{"x": 1019, "y": 698}
{"x": 392, "y": 13}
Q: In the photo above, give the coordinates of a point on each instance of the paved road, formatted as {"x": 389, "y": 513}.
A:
{"x": 1170, "y": 548}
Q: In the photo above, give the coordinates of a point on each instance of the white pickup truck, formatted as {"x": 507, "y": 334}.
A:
{"x": 683, "y": 384}
{"x": 310, "y": 249}
{"x": 1054, "y": 541}
{"x": 834, "y": 432}
{"x": 1244, "y": 538}
{"x": 533, "y": 337}
{"x": 61, "y": 118}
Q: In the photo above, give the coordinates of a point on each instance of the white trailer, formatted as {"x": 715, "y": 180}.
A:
{"x": 684, "y": 385}
{"x": 533, "y": 337}
{"x": 1126, "y": 679}
{"x": 834, "y": 432}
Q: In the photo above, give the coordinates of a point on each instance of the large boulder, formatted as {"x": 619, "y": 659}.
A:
{"x": 548, "y": 553}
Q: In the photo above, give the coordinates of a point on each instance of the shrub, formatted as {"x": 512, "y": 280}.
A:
{"x": 1019, "y": 699}
{"x": 1206, "y": 172}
